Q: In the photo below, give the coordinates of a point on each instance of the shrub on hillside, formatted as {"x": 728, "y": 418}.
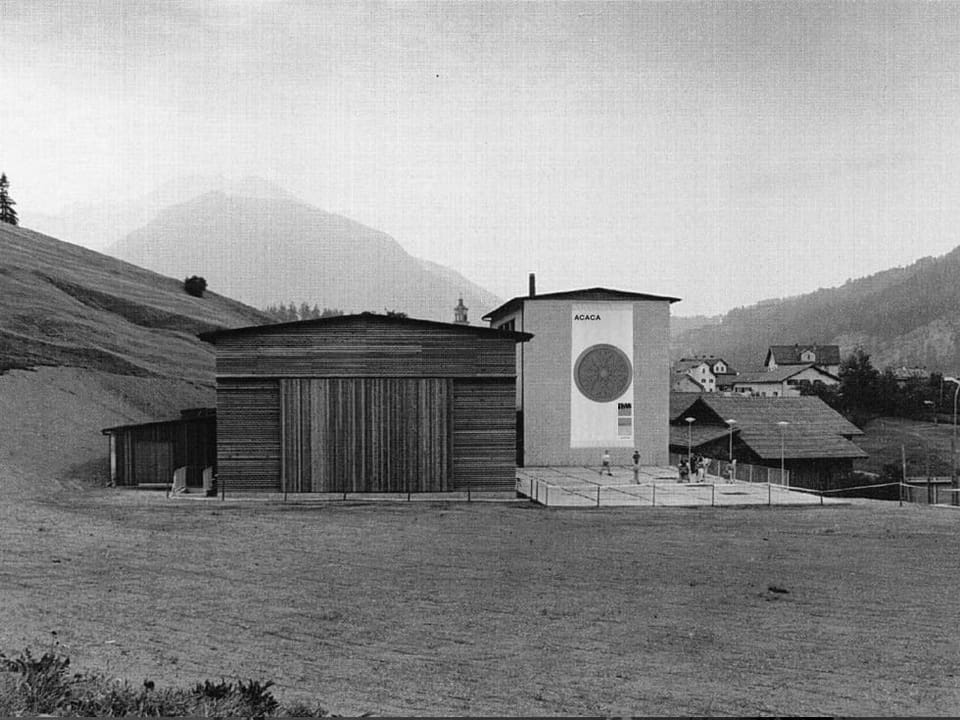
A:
{"x": 43, "y": 686}
{"x": 195, "y": 285}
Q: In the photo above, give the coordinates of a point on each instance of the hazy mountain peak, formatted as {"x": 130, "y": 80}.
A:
{"x": 99, "y": 225}
{"x": 265, "y": 251}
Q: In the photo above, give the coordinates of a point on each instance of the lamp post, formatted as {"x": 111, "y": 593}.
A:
{"x": 954, "y": 500}
{"x": 731, "y": 422}
{"x": 689, "y": 438}
{"x": 783, "y": 427}
{"x": 731, "y": 463}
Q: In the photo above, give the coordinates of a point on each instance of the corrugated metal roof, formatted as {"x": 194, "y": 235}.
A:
{"x": 595, "y": 293}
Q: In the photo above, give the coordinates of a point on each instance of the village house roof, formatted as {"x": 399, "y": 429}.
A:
{"x": 712, "y": 361}
{"x": 779, "y": 375}
{"x": 907, "y": 373}
{"x": 586, "y": 294}
{"x": 792, "y": 354}
{"x": 814, "y": 430}
{"x": 688, "y": 380}
{"x": 685, "y": 364}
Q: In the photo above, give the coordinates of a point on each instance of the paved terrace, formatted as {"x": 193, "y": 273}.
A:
{"x": 655, "y": 486}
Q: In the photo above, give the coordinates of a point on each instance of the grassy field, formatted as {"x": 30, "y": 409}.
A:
{"x": 482, "y": 608}
{"x": 927, "y": 445}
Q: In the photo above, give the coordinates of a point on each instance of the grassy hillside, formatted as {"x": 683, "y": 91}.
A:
{"x": 903, "y": 316}
{"x": 87, "y": 341}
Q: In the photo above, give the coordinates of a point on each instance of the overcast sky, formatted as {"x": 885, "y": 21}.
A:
{"x": 719, "y": 152}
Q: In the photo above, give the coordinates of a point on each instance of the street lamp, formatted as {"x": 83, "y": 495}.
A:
{"x": 953, "y": 445}
{"x": 731, "y": 422}
{"x": 689, "y": 438}
{"x": 783, "y": 427}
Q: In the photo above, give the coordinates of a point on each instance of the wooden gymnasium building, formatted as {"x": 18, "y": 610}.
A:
{"x": 366, "y": 403}
{"x": 595, "y": 376}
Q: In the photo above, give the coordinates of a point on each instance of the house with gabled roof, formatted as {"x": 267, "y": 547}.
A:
{"x": 814, "y": 443}
{"x": 695, "y": 369}
{"x": 710, "y": 372}
{"x": 786, "y": 381}
{"x": 683, "y": 383}
{"x": 826, "y": 356}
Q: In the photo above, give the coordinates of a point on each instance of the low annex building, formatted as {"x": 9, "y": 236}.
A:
{"x": 366, "y": 403}
{"x": 595, "y": 376}
{"x": 816, "y": 442}
{"x": 148, "y": 453}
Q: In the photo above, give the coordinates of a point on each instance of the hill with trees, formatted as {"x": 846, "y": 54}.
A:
{"x": 265, "y": 251}
{"x": 905, "y": 316}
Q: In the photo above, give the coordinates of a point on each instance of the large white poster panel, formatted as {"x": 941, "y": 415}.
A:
{"x": 601, "y": 366}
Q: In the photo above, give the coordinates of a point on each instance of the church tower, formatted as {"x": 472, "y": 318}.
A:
{"x": 460, "y": 314}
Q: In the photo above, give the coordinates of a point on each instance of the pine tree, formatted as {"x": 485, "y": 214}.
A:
{"x": 7, "y": 213}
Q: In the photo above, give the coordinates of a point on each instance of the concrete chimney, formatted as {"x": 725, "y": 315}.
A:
{"x": 533, "y": 284}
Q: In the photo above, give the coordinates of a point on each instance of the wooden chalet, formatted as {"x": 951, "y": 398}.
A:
{"x": 366, "y": 403}
{"x": 148, "y": 453}
{"x": 816, "y": 441}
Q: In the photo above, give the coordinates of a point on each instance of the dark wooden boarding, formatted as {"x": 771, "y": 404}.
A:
{"x": 366, "y": 403}
{"x": 148, "y": 453}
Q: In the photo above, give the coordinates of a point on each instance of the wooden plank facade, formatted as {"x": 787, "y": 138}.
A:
{"x": 366, "y": 403}
{"x": 148, "y": 453}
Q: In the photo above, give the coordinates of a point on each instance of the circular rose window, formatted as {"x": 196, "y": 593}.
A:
{"x": 603, "y": 373}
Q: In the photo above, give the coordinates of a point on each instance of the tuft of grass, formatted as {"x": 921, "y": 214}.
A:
{"x": 31, "y": 685}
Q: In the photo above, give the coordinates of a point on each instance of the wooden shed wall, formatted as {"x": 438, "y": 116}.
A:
{"x": 150, "y": 453}
{"x": 364, "y": 349}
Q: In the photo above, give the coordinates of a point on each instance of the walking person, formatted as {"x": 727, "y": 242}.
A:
{"x": 605, "y": 463}
{"x": 684, "y": 470}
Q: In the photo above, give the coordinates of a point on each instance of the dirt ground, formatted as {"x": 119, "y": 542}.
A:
{"x": 488, "y": 609}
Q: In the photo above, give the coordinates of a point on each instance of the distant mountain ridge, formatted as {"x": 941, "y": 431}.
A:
{"x": 902, "y": 316}
{"x": 264, "y": 251}
{"x": 99, "y": 225}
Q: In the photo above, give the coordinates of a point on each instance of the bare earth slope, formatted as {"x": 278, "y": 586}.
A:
{"x": 88, "y": 341}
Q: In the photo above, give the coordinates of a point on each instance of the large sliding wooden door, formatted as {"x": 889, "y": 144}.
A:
{"x": 366, "y": 434}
